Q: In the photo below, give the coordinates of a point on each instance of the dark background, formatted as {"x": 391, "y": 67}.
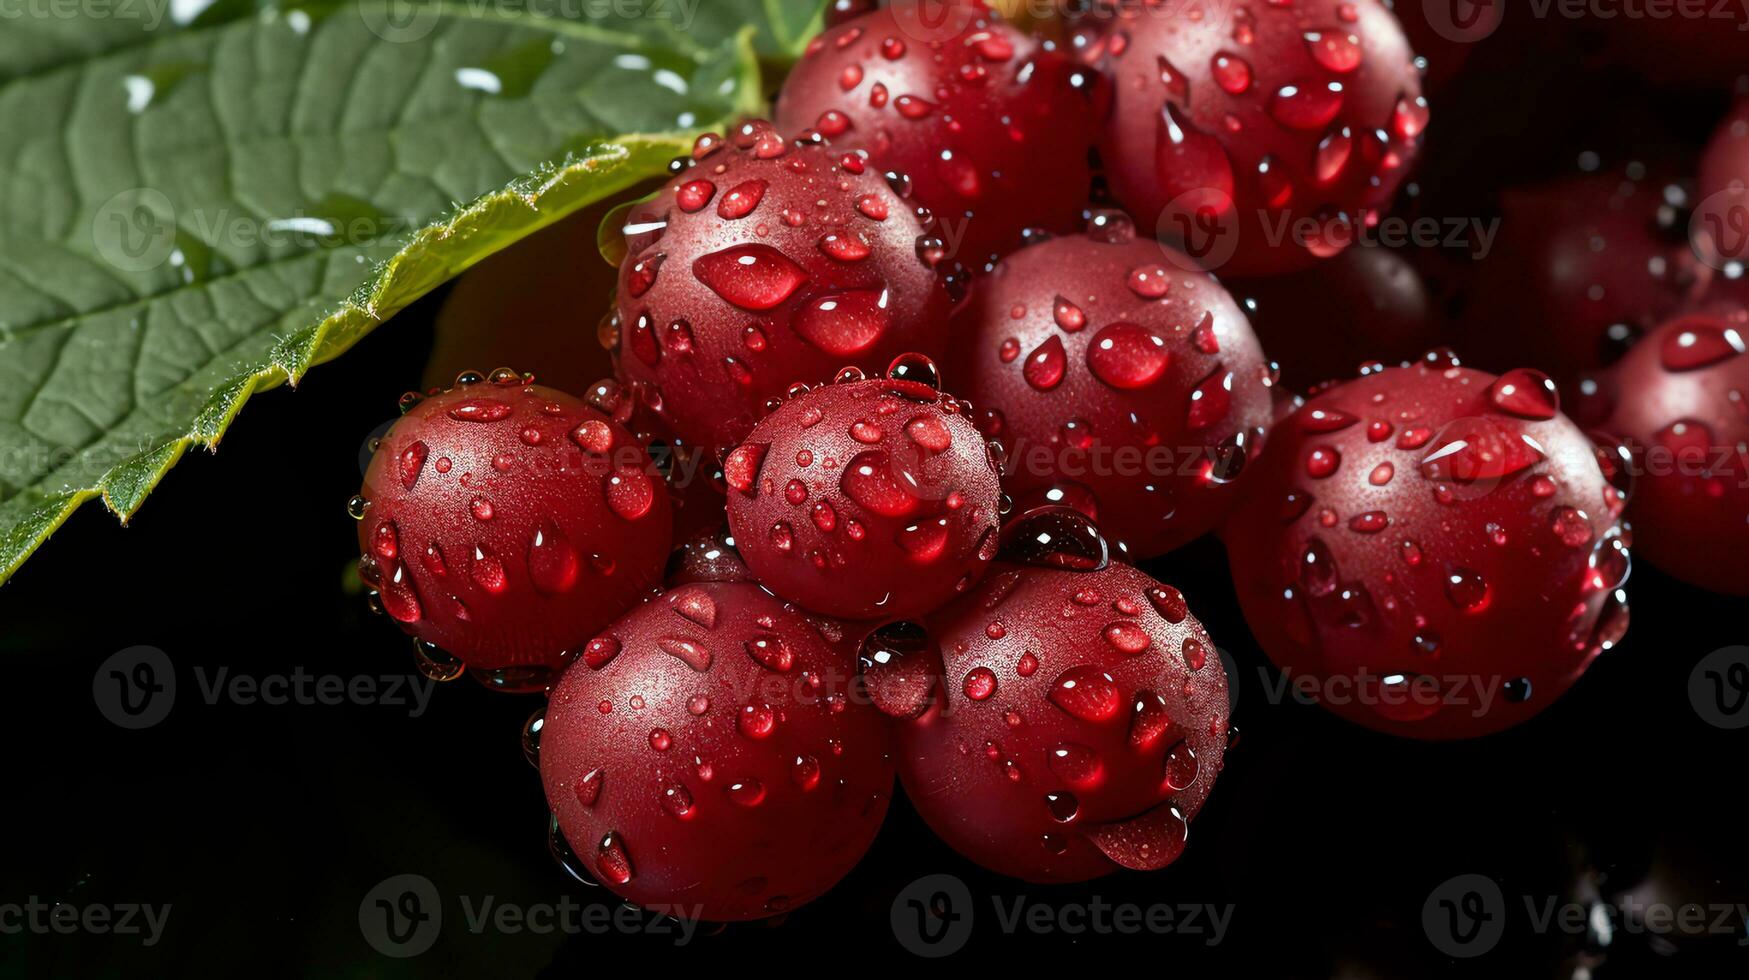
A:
{"x": 264, "y": 827}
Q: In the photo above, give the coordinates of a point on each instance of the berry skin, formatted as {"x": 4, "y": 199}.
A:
{"x": 866, "y": 499}
{"x": 1116, "y": 382}
{"x": 1434, "y": 549}
{"x": 705, "y": 755}
{"x": 1687, "y": 424}
{"x": 993, "y": 127}
{"x": 1262, "y": 140}
{"x": 761, "y": 265}
{"x": 1079, "y": 726}
{"x": 507, "y": 523}
{"x": 1367, "y": 304}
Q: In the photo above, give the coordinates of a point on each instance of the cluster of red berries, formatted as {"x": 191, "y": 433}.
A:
{"x": 929, "y": 572}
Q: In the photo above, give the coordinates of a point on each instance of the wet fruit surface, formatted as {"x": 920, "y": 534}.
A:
{"x": 992, "y": 126}
{"x": 706, "y": 756}
{"x": 504, "y": 523}
{"x": 760, "y": 265}
{"x": 1433, "y": 550}
{"x": 1686, "y": 421}
{"x": 1079, "y": 723}
{"x": 709, "y": 556}
{"x": 866, "y": 498}
{"x": 1117, "y": 382}
{"x": 1259, "y": 136}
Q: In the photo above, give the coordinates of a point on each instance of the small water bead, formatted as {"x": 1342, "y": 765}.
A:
{"x": 1150, "y": 282}
{"x": 979, "y": 684}
{"x": 1699, "y": 345}
{"x": 588, "y": 787}
{"x": 1335, "y": 51}
{"x": 1411, "y": 552}
{"x": 745, "y": 792}
{"x": 1181, "y": 767}
{"x": 757, "y": 720}
{"x": 1525, "y": 393}
{"x": 1086, "y": 693}
{"x": 1068, "y": 316}
{"x": 1045, "y": 366}
{"x": 1075, "y": 764}
{"x": 1317, "y": 569}
{"x": 804, "y": 772}
{"x": 1125, "y": 356}
{"x": 1325, "y": 420}
{"x": 1466, "y": 589}
{"x": 1231, "y": 72}
{"x": 1127, "y": 637}
{"x": 660, "y": 740}
{"x": 1322, "y": 461}
{"x": 1062, "y": 806}
{"x": 1371, "y": 522}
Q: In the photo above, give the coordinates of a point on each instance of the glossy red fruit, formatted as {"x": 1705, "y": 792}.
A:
{"x": 706, "y": 758}
{"x": 1079, "y": 724}
{"x": 761, "y": 265}
{"x": 1117, "y": 382}
{"x": 1365, "y": 305}
{"x": 993, "y": 127}
{"x": 1581, "y": 269}
{"x": 866, "y": 498}
{"x": 504, "y": 523}
{"x": 1684, "y": 413}
{"x": 1259, "y": 136}
{"x": 1433, "y": 550}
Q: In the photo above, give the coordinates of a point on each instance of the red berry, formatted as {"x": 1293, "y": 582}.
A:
{"x": 1429, "y": 545}
{"x": 1079, "y": 725}
{"x": 1685, "y": 416}
{"x": 506, "y": 523}
{"x": 706, "y": 756}
{"x": 993, "y": 127}
{"x": 1260, "y": 140}
{"x": 866, "y": 499}
{"x": 1365, "y": 305}
{"x": 761, "y": 265}
{"x": 1582, "y": 268}
{"x": 1117, "y": 382}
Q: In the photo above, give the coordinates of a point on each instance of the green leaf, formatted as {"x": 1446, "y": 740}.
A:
{"x": 192, "y": 212}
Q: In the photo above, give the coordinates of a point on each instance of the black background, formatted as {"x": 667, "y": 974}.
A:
{"x": 265, "y": 826}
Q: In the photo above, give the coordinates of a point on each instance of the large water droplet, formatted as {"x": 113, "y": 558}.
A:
{"x": 753, "y": 277}
{"x": 1126, "y": 356}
